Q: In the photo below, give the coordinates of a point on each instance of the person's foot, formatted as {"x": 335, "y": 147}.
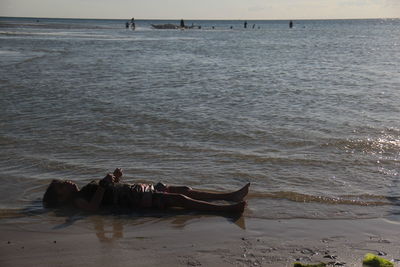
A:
{"x": 241, "y": 193}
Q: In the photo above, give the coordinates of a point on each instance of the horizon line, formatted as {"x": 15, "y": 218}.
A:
{"x": 221, "y": 19}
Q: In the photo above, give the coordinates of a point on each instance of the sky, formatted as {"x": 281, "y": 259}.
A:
{"x": 202, "y": 9}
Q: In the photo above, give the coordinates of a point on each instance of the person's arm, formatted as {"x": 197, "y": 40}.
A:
{"x": 118, "y": 174}
{"x": 95, "y": 202}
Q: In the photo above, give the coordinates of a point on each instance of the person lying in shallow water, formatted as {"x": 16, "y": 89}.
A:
{"x": 110, "y": 192}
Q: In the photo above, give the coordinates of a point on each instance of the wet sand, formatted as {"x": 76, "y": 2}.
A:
{"x": 187, "y": 240}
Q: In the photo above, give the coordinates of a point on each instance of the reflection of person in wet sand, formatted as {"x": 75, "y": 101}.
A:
{"x": 110, "y": 192}
{"x": 108, "y": 236}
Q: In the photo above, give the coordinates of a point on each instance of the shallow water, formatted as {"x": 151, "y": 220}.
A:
{"x": 308, "y": 115}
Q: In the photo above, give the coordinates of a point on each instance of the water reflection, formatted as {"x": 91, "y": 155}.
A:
{"x": 107, "y": 236}
{"x": 109, "y": 225}
{"x": 109, "y": 228}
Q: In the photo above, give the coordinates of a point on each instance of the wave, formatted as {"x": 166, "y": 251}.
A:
{"x": 260, "y": 159}
{"x": 356, "y": 200}
{"x": 66, "y": 34}
{"x": 34, "y": 208}
{"x": 41, "y": 25}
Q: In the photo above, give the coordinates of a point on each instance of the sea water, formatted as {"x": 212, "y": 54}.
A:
{"x": 308, "y": 115}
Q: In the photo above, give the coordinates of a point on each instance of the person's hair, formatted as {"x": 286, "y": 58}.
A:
{"x": 50, "y": 198}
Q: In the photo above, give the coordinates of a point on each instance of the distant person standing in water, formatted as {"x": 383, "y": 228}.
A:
{"x": 291, "y": 24}
{"x": 133, "y": 26}
{"x": 182, "y": 24}
{"x": 245, "y": 24}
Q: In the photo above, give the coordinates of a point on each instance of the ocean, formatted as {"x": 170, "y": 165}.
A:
{"x": 308, "y": 115}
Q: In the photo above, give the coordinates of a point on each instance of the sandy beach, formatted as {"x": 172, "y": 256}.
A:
{"x": 194, "y": 240}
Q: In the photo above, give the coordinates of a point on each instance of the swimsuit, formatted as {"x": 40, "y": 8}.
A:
{"x": 132, "y": 196}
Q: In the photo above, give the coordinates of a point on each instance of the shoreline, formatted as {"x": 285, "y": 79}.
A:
{"x": 194, "y": 240}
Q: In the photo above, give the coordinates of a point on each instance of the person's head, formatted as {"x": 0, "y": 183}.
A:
{"x": 59, "y": 193}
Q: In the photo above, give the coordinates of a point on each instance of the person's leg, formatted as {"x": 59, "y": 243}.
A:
{"x": 202, "y": 195}
{"x": 181, "y": 201}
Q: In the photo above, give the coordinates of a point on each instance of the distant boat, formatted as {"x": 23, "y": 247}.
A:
{"x": 165, "y": 26}
{"x": 172, "y": 26}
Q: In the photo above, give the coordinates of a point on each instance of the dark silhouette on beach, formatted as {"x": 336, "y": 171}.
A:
{"x": 111, "y": 192}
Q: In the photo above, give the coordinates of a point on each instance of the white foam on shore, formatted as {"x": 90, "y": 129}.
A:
{"x": 9, "y": 53}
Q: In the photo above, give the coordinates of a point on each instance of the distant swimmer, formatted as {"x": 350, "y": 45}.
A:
{"x": 245, "y": 24}
{"x": 127, "y": 25}
{"x": 291, "y": 24}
